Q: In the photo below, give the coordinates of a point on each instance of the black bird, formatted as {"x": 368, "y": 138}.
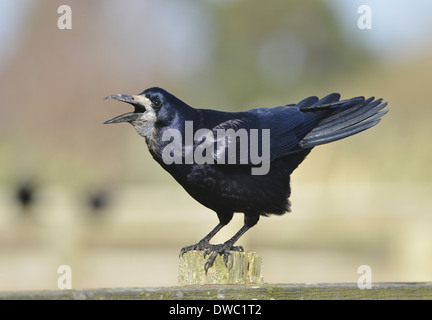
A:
{"x": 25, "y": 194}
{"x": 99, "y": 200}
{"x": 284, "y": 134}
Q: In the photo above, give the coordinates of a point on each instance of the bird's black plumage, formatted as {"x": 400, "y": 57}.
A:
{"x": 229, "y": 186}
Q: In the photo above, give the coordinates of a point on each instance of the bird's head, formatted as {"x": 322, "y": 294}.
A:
{"x": 150, "y": 106}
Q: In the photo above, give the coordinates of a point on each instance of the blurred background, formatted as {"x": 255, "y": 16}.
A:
{"x": 76, "y": 192}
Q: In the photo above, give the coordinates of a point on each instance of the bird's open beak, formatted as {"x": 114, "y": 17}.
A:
{"x": 130, "y": 116}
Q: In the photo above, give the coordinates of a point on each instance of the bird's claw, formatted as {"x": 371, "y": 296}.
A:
{"x": 222, "y": 249}
{"x": 202, "y": 245}
{"x": 213, "y": 250}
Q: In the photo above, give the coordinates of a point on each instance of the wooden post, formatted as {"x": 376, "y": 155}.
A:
{"x": 242, "y": 268}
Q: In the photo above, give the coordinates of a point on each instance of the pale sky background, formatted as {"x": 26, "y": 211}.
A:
{"x": 401, "y": 27}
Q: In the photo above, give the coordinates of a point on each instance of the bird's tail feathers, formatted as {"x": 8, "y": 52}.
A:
{"x": 349, "y": 117}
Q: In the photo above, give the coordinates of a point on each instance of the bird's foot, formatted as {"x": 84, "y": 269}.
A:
{"x": 202, "y": 245}
{"x": 213, "y": 250}
{"x": 222, "y": 249}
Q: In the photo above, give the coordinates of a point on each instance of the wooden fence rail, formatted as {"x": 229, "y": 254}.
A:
{"x": 342, "y": 291}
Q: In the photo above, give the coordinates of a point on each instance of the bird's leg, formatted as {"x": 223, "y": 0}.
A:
{"x": 225, "y": 248}
{"x": 204, "y": 244}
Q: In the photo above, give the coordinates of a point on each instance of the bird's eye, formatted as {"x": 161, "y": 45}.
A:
{"x": 156, "y": 103}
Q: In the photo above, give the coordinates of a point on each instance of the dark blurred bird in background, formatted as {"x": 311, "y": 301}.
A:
{"x": 98, "y": 200}
{"x": 228, "y": 185}
{"x": 25, "y": 194}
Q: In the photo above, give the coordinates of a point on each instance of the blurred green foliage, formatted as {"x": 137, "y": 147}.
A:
{"x": 271, "y": 49}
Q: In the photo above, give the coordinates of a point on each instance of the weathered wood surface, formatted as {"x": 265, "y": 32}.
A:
{"x": 422, "y": 290}
{"x": 242, "y": 268}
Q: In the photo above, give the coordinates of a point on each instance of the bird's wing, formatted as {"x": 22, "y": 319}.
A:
{"x": 284, "y": 130}
{"x": 265, "y": 133}
{"x": 233, "y": 140}
{"x": 291, "y": 123}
